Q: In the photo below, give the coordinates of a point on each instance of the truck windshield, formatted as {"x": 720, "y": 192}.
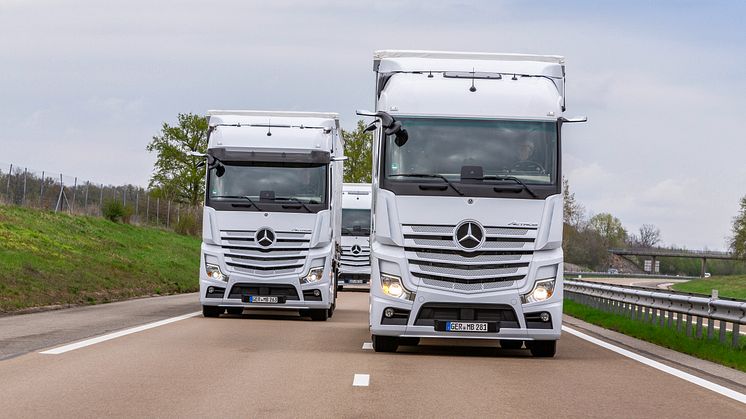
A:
{"x": 355, "y": 222}
{"x": 255, "y": 186}
{"x": 473, "y": 153}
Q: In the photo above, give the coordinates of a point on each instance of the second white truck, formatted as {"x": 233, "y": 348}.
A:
{"x": 273, "y": 212}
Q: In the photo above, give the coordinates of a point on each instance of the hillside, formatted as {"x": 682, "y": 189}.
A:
{"x": 51, "y": 259}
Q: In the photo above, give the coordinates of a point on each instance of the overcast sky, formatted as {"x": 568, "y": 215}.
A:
{"x": 84, "y": 85}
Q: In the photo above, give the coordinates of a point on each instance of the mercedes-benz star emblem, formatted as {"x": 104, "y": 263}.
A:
{"x": 265, "y": 237}
{"x": 356, "y": 249}
{"x": 469, "y": 235}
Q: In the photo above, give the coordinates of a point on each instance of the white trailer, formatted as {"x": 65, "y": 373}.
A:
{"x": 467, "y": 201}
{"x": 272, "y": 215}
{"x": 354, "y": 265}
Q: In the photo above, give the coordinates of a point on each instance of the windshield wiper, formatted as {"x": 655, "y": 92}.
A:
{"x": 514, "y": 179}
{"x": 296, "y": 200}
{"x": 432, "y": 176}
{"x": 240, "y": 197}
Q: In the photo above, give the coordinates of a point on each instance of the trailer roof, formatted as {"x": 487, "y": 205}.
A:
{"x": 455, "y": 55}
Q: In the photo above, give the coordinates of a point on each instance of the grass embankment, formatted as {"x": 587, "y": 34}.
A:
{"x": 711, "y": 350}
{"x": 727, "y": 286}
{"x": 48, "y": 259}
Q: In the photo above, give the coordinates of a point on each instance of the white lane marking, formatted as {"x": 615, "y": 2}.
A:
{"x": 368, "y": 345}
{"x": 361, "y": 380}
{"x": 110, "y": 336}
{"x": 661, "y": 367}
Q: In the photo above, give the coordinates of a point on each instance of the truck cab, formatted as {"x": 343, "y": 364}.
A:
{"x": 354, "y": 265}
{"x": 466, "y": 238}
{"x": 272, "y": 215}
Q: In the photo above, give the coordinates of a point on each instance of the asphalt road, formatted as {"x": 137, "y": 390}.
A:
{"x": 260, "y": 364}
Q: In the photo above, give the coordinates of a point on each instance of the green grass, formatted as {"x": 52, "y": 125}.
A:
{"x": 727, "y": 286}
{"x": 48, "y": 259}
{"x": 711, "y": 350}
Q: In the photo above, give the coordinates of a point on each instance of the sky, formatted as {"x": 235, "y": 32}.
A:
{"x": 84, "y": 85}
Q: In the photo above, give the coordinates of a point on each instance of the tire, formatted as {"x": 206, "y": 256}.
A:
{"x": 543, "y": 348}
{"x": 340, "y": 287}
{"x": 511, "y": 344}
{"x": 319, "y": 315}
{"x": 385, "y": 343}
{"x": 235, "y": 311}
{"x": 212, "y": 311}
{"x": 409, "y": 341}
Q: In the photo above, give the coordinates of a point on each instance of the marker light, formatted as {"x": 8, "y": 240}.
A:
{"x": 314, "y": 275}
{"x": 542, "y": 291}
{"x": 392, "y": 286}
{"x": 214, "y": 272}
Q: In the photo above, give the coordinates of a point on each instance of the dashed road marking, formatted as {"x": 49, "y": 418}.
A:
{"x": 110, "y": 336}
{"x": 361, "y": 380}
{"x": 661, "y": 367}
{"x": 368, "y": 345}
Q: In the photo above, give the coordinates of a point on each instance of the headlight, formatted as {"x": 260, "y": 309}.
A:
{"x": 392, "y": 286}
{"x": 314, "y": 275}
{"x": 214, "y": 272}
{"x": 542, "y": 291}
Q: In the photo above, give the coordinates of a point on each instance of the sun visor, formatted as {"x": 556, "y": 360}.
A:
{"x": 244, "y": 155}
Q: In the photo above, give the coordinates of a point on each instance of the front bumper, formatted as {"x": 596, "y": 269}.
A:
{"x": 523, "y": 324}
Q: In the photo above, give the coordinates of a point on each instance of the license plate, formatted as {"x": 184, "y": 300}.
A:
{"x": 469, "y": 327}
{"x": 261, "y": 299}
{"x": 355, "y": 281}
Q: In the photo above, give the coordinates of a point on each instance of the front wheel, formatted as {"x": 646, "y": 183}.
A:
{"x": 319, "y": 315}
{"x": 385, "y": 343}
{"x": 212, "y": 311}
{"x": 236, "y": 311}
{"x": 542, "y": 348}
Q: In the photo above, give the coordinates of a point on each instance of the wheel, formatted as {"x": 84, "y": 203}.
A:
{"x": 319, "y": 315}
{"x": 385, "y": 343}
{"x": 212, "y": 311}
{"x": 543, "y": 348}
{"x": 236, "y": 311}
{"x": 409, "y": 341}
{"x": 511, "y": 344}
{"x": 340, "y": 287}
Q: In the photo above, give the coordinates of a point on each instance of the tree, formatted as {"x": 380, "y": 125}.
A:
{"x": 175, "y": 174}
{"x": 572, "y": 210}
{"x": 609, "y": 228}
{"x": 358, "y": 149}
{"x": 738, "y": 241}
{"x": 649, "y": 236}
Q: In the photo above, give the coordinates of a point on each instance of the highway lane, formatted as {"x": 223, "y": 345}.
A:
{"x": 263, "y": 364}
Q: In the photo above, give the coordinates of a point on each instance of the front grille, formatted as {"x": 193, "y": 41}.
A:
{"x": 501, "y": 262}
{"x": 502, "y": 313}
{"x": 277, "y": 290}
{"x": 349, "y": 259}
{"x": 287, "y": 255}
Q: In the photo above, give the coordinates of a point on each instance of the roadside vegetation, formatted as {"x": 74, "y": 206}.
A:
{"x": 711, "y": 350}
{"x": 57, "y": 259}
{"x": 727, "y": 286}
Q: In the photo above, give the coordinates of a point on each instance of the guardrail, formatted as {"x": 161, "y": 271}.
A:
{"x": 664, "y": 308}
{"x": 580, "y": 275}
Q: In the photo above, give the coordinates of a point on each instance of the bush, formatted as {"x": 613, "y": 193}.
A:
{"x": 114, "y": 211}
{"x": 188, "y": 224}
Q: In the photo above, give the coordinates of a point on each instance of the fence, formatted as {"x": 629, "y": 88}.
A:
{"x": 45, "y": 190}
{"x": 664, "y": 308}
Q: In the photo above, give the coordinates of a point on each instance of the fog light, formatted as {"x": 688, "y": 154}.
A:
{"x": 316, "y": 293}
{"x": 210, "y": 290}
{"x": 389, "y": 312}
{"x": 544, "y": 316}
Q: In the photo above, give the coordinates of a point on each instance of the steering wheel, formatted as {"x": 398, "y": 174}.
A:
{"x": 528, "y": 166}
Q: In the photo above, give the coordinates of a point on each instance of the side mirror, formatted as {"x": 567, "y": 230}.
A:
{"x": 219, "y": 170}
{"x": 371, "y": 127}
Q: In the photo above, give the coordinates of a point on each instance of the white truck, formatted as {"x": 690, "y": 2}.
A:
{"x": 467, "y": 201}
{"x": 273, "y": 212}
{"x": 354, "y": 265}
